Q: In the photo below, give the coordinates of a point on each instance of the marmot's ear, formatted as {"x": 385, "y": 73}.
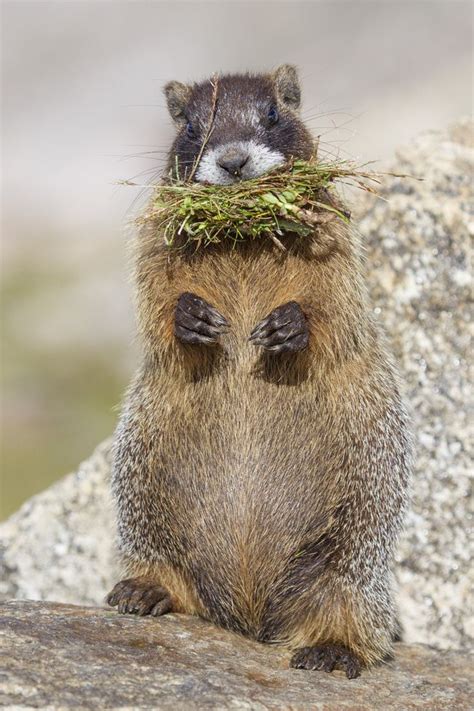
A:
{"x": 177, "y": 97}
{"x": 287, "y": 85}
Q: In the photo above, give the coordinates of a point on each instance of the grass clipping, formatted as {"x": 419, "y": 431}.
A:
{"x": 294, "y": 198}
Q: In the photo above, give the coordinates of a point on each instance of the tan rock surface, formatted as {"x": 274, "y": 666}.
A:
{"x": 61, "y": 656}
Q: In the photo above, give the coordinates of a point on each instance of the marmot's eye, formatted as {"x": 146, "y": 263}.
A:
{"x": 190, "y": 130}
{"x": 273, "y": 115}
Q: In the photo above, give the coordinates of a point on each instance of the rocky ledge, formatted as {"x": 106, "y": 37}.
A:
{"x": 62, "y": 656}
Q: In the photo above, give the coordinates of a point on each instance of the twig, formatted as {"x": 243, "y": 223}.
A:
{"x": 275, "y": 239}
{"x": 210, "y": 126}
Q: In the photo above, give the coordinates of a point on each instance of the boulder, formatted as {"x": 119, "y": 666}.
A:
{"x": 418, "y": 250}
{"x": 62, "y": 656}
{"x": 59, "y": 546}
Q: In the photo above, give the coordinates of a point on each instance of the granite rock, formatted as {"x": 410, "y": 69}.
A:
{"x": 61, "y": 656}
{"x": 418, "y": 253}
{"x": 59, "y": 546}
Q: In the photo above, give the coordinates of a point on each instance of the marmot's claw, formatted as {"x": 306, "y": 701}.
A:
{"x": 197, "y": 322}
{"x": 327, "y": 657}
{"x": 284, "y": 330}
{"x": 140, "y": 596}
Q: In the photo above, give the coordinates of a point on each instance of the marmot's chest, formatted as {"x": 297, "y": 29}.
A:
{"x": 245, "y": 284}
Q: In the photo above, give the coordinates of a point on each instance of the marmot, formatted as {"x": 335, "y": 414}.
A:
{"x": 262, "y": 458}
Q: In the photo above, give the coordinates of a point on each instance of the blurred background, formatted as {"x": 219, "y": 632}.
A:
{"x": 82, "y": 108}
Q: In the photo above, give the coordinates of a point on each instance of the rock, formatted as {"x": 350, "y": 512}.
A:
{"x": 61, "y": 656}
{"x": 418, "y": 247}
{"x": 60, "y": 544}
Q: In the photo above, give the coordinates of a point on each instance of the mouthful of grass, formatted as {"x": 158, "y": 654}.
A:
{"x": 294, "y": 198}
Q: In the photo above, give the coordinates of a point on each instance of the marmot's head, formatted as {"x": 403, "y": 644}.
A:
{"x": 256, "y": 125}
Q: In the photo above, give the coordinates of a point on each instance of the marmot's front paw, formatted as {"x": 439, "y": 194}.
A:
{"x": 196, "y": 321}
{"x": 327, "y": 657}
{"x": 284, "y": 330}
{"x": 140, "y": 596}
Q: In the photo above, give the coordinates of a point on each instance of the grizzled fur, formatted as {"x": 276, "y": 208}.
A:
{"x": 262, "y": 489}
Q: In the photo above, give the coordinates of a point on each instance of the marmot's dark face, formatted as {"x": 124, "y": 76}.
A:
{"x": 256, "y": 125}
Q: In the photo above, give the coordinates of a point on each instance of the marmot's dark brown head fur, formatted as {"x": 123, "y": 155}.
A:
{"x": 256, "y": 125}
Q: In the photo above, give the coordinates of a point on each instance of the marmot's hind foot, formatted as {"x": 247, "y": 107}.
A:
{"x": 140, "y": 596}
{"x": 327, "y": 657}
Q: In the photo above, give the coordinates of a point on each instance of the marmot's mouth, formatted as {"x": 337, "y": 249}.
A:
{"x": 233, "y": 162}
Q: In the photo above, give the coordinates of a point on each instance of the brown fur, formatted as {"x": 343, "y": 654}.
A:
{"x": 265, "y": 491}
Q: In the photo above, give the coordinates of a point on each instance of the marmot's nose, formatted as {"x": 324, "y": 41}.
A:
{"x": 233, "y": 161}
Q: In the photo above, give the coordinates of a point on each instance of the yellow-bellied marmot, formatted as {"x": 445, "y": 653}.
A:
{"x": 263, "y": 453}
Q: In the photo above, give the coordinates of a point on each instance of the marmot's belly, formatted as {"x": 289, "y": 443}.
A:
{"x": 250, "y": 451}
{"x": 250, "y": 490}
{"x": 246, "y": 544}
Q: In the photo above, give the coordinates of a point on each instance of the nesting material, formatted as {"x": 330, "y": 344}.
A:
{"x": 294, "y": 198}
